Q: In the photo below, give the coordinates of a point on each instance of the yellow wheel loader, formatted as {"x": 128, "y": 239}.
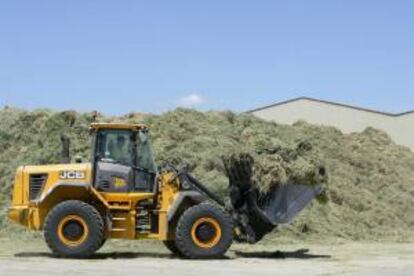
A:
{"x": 122, "y": 194}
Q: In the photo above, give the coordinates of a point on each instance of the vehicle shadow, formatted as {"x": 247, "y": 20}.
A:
{"x": 110, "y": 255}
{"x": 100, "y": 256}
{"x": 299, "y": 254}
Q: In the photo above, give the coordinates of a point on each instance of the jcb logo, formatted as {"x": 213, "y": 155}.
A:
{"x": 119, "y": 182}
{"x": 72, "y": 175}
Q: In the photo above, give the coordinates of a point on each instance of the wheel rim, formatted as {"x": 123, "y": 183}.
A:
{"x": 72, "y": 230}
{"x": 206, "y": 232}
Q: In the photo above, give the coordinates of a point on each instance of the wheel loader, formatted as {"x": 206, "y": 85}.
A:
{"x": 122, "y": 194}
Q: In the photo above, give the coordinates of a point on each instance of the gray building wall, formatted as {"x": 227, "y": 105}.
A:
{"x": 346, "y": 118}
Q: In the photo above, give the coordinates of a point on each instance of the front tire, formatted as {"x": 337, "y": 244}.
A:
{"x": 204, "y": 231}
{"x": 74, "y": 229}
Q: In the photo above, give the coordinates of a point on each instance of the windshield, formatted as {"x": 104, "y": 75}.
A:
{"x": 123, "y": 147}
{"x": 116, "y": 146}
{"x": 145, "y": 158}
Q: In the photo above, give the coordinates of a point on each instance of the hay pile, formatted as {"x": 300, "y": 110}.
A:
{"x": 371, "y": 179}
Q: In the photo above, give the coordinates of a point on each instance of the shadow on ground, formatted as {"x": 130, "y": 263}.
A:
{"x": 101, "y": 256}
{"x": 299, "y": 254}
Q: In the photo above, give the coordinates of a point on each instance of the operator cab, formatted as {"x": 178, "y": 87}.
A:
{"x": 122, "y": 158}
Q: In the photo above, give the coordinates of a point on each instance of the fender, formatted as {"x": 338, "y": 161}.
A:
{"x": 60, "y": 189}
{"x": 191, "y": 197}
{"x": 61, "y": 192}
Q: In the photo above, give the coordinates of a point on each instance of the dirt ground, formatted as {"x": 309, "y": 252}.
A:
{"x": 150, "y": 258}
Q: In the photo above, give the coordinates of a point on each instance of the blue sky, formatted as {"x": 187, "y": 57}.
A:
{"x": 150, "y": 56}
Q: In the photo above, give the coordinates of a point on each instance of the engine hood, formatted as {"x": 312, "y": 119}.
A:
{"x": 64, "y": 170}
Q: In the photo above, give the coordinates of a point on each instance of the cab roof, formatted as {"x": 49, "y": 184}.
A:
{"x": 96, "y": 126}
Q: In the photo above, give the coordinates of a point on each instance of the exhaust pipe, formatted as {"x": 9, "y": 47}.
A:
{"x": 65, "y": 154}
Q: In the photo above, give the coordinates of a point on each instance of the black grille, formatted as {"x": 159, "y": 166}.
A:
{"x": 104, "y": 184}
{"x": 36, "y": 184}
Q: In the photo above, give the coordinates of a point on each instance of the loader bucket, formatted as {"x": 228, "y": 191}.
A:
{"x": 255, "y": 213}
{"x": 284, "y": 203}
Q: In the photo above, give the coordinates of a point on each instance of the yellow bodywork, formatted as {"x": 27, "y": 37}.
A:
{"x": 32, "y": 213}
{"x": 74, "y": 182}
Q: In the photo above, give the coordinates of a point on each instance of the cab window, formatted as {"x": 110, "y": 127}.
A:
{"x": 145, "y": 158}
{"x": 116, "y": 147}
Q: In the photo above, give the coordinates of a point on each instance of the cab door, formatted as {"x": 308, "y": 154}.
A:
{"x": 114, "y": 161}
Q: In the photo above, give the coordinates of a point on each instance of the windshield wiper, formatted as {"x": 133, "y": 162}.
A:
{"x": 145, "y": 170}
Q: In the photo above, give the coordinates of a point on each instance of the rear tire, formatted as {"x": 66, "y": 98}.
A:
{"x": 204, "y": 231}
{"x": 74, "y": 229}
